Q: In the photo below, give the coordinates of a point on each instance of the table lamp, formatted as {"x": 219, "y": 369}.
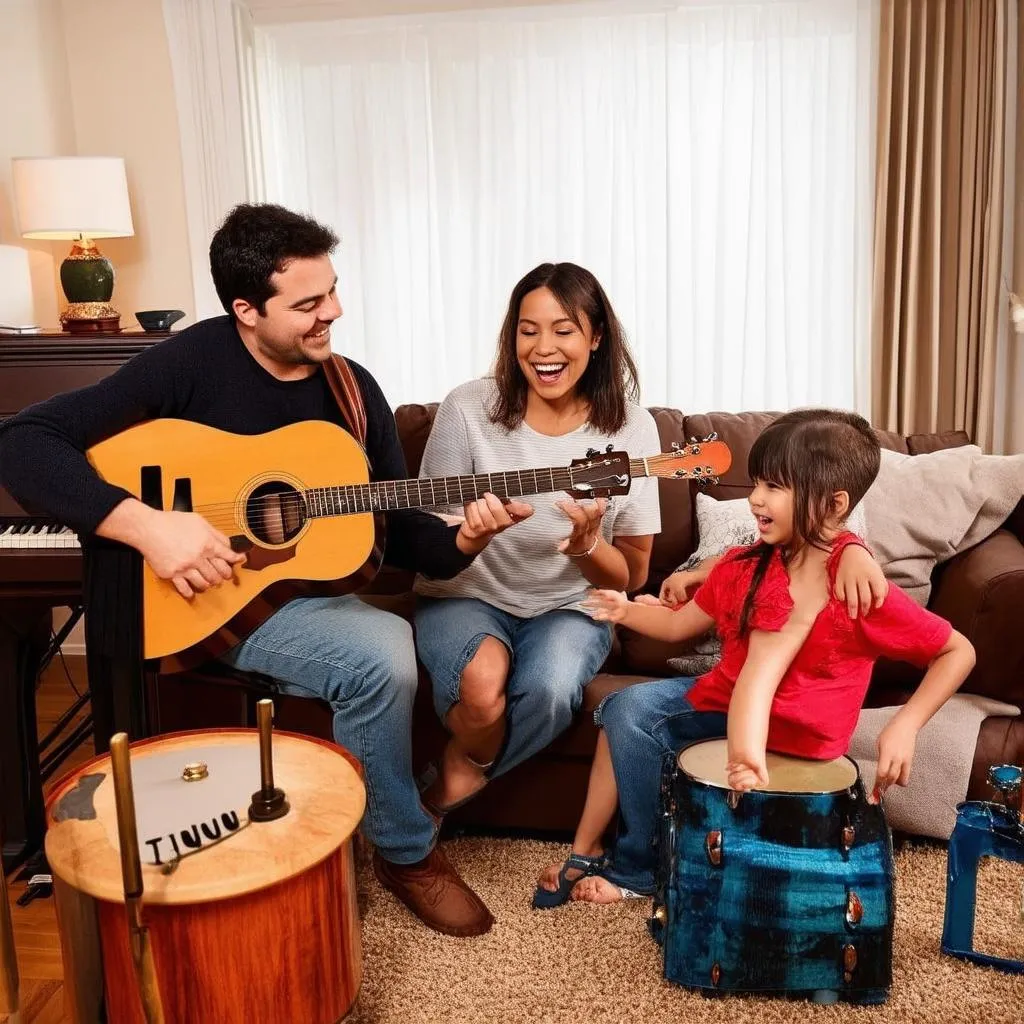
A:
{"x": 80, "y": 198}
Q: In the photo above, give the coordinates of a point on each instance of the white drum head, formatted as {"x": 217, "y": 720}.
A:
{"x": 705, "y": 762}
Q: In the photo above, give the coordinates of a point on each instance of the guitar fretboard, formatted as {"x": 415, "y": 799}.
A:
{"x": 382, "y": 495}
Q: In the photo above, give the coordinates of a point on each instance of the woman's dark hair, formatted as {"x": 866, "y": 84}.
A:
{"x": 257, "y": 240}
{"x": 814, "y": 453}
{"x": 610, "y": 379}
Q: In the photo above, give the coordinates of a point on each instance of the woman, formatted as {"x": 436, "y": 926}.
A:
{"x": 506, "y": 643}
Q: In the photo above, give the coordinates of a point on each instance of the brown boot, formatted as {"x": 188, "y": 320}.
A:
{"x": 434, "y": 892}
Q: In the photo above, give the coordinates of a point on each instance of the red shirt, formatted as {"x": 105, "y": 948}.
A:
{"x": 815, "y": 708}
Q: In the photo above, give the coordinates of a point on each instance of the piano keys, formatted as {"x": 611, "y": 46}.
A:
{"x": 40, "y": 567}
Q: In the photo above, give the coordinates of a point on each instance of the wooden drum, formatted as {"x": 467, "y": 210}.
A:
{"x": 248, "y": 921}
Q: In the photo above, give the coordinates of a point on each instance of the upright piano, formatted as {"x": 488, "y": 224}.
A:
{"x": 40, "y": 566}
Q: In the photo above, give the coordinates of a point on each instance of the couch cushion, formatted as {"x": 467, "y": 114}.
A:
{"x": 414, "y": 423}
{"x": 675, "y": 497}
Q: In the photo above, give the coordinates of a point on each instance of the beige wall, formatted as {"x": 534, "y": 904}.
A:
{"x": 35, "y": 120}
{"x": 93, "y": 77}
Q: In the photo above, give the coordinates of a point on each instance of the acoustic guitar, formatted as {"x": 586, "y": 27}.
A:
{"x": 303, "y": 531}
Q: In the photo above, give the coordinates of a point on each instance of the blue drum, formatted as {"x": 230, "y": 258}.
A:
{"x": 787, "y": 890}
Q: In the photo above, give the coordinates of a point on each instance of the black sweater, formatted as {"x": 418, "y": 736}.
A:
{"x": 207, "y": 375}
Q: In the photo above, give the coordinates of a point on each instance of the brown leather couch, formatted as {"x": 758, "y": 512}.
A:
{"x": 981, "y": 592}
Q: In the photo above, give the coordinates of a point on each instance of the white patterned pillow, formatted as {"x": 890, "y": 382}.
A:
{"x": 722, "y": 525}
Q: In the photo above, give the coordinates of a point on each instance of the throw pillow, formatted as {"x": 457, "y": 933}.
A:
{"x": 924, "y": 509}
{"x": 722, "y": 525}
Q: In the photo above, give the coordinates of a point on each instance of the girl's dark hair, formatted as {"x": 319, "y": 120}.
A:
{"x": 610, "y": 379}
{"x": 257, "y": 240}
{"x": 814, "y": 453}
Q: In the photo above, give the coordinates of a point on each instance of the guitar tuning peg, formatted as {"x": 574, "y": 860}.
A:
{"x": 609, "y": 448}
{"x": 676, "y": 446}
{"x": 713, "y": 436}
{"x": 693, "y": 440}
{"x": 592, "y": 453}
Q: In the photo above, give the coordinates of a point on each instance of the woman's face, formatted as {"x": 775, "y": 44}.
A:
{"x": 552, "y": 350}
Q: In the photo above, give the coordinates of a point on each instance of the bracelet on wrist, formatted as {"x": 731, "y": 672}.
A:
{"x": 588, "y": 552}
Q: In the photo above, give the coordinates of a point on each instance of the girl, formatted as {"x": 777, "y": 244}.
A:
{"x": 794, "y": 668}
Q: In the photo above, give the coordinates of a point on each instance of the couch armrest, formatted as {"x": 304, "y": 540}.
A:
{"x": 981, "y": 592}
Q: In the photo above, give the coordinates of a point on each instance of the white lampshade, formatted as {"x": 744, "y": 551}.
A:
{"x": 16, "y": 306}
{"x": 67, "y": 196}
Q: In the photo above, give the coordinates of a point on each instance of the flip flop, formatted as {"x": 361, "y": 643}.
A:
{"x": 546, "y": 899}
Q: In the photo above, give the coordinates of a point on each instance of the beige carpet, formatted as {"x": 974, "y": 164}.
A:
{"x": 597, "y": 964}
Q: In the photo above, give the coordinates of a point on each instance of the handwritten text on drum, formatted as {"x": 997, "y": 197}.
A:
{"x": 195, "y": 836}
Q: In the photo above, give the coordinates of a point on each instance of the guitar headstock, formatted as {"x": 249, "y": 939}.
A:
{"x": 701, "y": 460}
{"x": 600, "y": 474}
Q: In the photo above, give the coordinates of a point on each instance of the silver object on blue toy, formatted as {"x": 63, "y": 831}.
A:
{"x": 983, "y": 829}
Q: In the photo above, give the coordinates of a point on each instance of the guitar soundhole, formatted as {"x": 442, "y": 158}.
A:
{"x": 275, "y": 513}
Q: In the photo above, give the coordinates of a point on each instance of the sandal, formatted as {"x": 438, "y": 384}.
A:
{"x": 546, "y": 899}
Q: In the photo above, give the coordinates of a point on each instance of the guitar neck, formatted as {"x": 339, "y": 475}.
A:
{"x": 436, "y": 492}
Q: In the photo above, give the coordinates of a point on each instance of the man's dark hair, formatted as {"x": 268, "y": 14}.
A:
{"x": 257, "y": 240}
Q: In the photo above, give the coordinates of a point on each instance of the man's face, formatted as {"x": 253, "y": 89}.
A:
{"x": 295, "y": 326}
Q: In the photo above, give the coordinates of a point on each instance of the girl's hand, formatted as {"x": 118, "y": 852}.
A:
{"x": 606, "y": 605}
{"x": 674, "y": 590}
{"x": 895, "y": 755}
{"x": 586, "y": 524}
{"x": 860, "y": 581}
{"x": 744, "y": 773}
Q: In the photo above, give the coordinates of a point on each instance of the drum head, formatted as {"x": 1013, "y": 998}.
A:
{"x": 705, "y": 762}
{"x": 196, "y": 842}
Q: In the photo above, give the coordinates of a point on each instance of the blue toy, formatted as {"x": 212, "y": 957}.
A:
{"x": 983, "y": 829}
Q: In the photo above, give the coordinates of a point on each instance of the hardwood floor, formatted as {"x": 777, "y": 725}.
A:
{"x": 35, "y": 926}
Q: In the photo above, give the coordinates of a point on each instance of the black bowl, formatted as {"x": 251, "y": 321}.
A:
{"x": 159, "y": 319}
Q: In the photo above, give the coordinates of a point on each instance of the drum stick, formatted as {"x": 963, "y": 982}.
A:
{"x": 131, "y": 873}
{"x": 8, "y": 954}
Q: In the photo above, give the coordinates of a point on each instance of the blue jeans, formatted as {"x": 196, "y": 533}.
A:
{"x": 645, "y": 724}
{"x": 362, "y": 661}
{"x": 553, "y": 656}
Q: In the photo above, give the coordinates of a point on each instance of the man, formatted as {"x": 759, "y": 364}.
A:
{"x": 259, "y": 368}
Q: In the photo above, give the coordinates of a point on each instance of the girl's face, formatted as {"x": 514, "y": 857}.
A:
{"x": 772, "y": 505}
{"x": 551, "y": 349}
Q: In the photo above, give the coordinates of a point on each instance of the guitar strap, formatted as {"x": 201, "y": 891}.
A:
{"x": 345, "y": 389}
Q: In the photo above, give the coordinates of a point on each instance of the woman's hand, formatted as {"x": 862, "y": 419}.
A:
{"x": 860, "y": 581}
{"x": 486, "y": 518}
{"x": 586, "y": 525}
{"x": 896, "y": 744}
{"x": 606, "y": 605}
{"x": 674, "y": 591}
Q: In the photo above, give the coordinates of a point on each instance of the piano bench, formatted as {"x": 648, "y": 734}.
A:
{"x": 215, "y": 695}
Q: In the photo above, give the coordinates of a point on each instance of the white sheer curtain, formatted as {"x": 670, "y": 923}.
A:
{"x": 211, "y": 48}
{"x": 712, "y": 164}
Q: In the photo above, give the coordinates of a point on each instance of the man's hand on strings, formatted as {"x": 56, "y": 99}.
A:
{"x": 184, "y": 548}
{"x": 485, "y": 518}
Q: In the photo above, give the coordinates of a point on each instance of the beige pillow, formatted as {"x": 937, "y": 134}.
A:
{"x": 924, "y": 509}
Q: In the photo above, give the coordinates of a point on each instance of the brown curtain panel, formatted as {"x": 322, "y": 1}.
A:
{"x": 938, "y": 214}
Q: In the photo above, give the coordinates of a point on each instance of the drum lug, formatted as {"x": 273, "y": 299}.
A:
{"x": 854, "y": 909}
{"x": 849, "y": 835}
{"x": 733, "y": 799}
{"x": 713, "y": 847}
{"x": 849, "y": 962}
{"x": 716, "y": 974}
